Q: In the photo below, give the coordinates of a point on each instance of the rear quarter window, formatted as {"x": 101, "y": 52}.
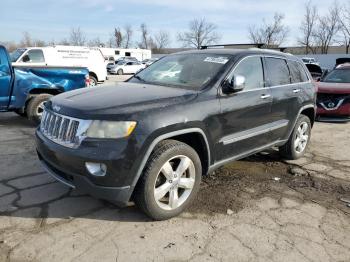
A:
{"x": 297, "y": 72}
{"x": 277, "y": 72}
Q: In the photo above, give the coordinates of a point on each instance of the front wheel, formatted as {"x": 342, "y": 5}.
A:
{"x": 35, "y": 107}
{"x": 170, "y": 181}
{"x": 298, "y": 141}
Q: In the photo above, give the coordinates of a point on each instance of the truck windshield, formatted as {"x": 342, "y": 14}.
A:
{"x": 189, "y": 71}
{"x": 338, "y": 76}
{"x": 17, "y": 54}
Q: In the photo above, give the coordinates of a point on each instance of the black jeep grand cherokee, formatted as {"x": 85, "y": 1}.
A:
{"x": 151, "y": 139}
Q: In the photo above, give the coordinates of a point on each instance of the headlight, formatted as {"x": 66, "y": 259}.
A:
{"x": 110, "y": 129}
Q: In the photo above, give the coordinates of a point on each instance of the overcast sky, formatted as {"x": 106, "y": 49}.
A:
{"x": 52, "y": 20}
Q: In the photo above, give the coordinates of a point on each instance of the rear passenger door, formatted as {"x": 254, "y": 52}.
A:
{"x": 245, "y": 116}
{"x": 128, "y": 68}
{"x": 285, "y": 92}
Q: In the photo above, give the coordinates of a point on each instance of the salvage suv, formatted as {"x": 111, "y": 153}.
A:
{"x": 152, "y": 138}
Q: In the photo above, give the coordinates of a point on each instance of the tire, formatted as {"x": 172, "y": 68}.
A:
{"x": 120, "y": 72}
{"x": 35, "y": 107}
{"x": 290, "y": 150}
{"x": 92, "y": 81}
{"x": 186, "y": 185}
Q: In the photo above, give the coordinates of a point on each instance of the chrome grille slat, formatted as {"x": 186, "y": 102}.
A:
{"x": 60, "y": 129}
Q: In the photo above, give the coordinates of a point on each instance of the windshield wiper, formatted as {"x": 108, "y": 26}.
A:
{"x": 139, "y": 78}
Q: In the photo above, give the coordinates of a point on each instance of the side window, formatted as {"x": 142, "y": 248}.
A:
{"x": 4, "y": 64}
{"x": 129, "y": 63}
{"x": 295, "y": 72}
{"x": 34, "y": 56}
{"x": 277, "y": 72}
{"x": 127, "y": 54}
{"x": 304, "y": 76}
{"x": 251, "y": 69}
{"x": 117, "y": 52}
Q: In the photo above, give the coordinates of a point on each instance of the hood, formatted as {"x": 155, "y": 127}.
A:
{"x": 333, "y": 88}
{"x": 120, "y": 99}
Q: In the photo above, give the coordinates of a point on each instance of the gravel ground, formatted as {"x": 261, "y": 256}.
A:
{"x": 257, "y": 209}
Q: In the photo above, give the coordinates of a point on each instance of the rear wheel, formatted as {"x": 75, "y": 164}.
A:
{"x": 170, "y": 181}
{"x": 298, "y": 141}
{"x": 92, "y": 81}
{"x": 120, "y": 72}
{"x": 35, "y": 107}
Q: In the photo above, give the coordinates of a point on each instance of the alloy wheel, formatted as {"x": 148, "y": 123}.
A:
{"x": 301, "y": 137}
{"x": 174, "y": 182}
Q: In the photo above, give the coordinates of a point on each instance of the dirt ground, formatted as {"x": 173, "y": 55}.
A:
{"x": 257, "y": 209}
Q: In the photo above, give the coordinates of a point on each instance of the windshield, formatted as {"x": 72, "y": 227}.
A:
{"x": 190, "y": 71}
{"x": 16, "y": 54}
{"x": 120, "y": 63}
{"x": 338, "y": 76}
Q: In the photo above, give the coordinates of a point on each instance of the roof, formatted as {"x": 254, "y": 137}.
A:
{"x": 249, "y": 51}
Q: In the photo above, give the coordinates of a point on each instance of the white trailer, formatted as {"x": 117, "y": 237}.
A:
{"x": 70, "y": 56}
{"x": 116, "y": 53}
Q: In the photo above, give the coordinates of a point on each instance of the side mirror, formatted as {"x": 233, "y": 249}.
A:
{"x": 236, "y": 84}
{"x": 25, "y": 59}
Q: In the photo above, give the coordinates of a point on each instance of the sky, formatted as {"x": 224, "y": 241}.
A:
{"x": 53, "y": 20}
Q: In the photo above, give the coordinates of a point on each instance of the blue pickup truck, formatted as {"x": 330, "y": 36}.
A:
{"x": 24, "y": 90}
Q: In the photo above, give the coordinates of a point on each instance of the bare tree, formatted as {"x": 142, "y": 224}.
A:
{"x": 77, "y": 37}
{"x": 39, "y": 43}
{"x": 345, "y": 26}
{"x": 26, "y": 40}
{"x": 200, "y": 33}
{"x": 110, "y": 42}
{"x": 270, "y": 34}
{"x": 128, "y": 36}
{"x": 146, "y": 40}
{"x": 64, "y": 41}
{"x": 96, "y": 42}
{"x": 118, "y": 35}
{"x": 327, "y": 28}
{"x": 161, "y": 40}
{"x": 307, "y": 27}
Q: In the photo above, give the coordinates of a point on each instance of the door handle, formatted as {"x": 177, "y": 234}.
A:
{"x": 265, "y": 96}
{"x": 295, "y": 91}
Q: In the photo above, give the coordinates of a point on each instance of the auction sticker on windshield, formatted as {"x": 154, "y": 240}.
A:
{"x": 218, "y": 60}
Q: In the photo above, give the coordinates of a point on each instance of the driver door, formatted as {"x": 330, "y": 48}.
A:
{"x": 33, "y": 57}
{"x": 5, "y": 79}
{"x": 245, "y": 115}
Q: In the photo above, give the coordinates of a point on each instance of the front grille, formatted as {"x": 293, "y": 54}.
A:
{"x": 60, "y": 129}
{"x": 332, "y": 101}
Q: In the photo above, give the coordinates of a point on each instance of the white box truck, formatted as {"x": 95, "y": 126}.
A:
{"x": 116, "y": 53}
{"x": 66, "y": 56}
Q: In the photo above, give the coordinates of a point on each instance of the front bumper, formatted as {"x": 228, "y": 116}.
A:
{"x": 339, "y": 114}
{"x": 68, "y": 166}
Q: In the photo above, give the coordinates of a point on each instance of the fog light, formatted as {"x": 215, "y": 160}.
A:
{"x": 96, "y": 169}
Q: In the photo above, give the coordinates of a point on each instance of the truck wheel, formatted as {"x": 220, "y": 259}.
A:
{"x": 120, "y": 72}
{"x": 92, "y": 81}
{"x": 170, "y": 180}
{"x": 35, "y": 107}
{"x": 299, "y": 139}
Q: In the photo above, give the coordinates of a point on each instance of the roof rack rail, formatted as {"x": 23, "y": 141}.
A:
{"x": 232, "y": 45}
{"x": 245, "y": 46}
